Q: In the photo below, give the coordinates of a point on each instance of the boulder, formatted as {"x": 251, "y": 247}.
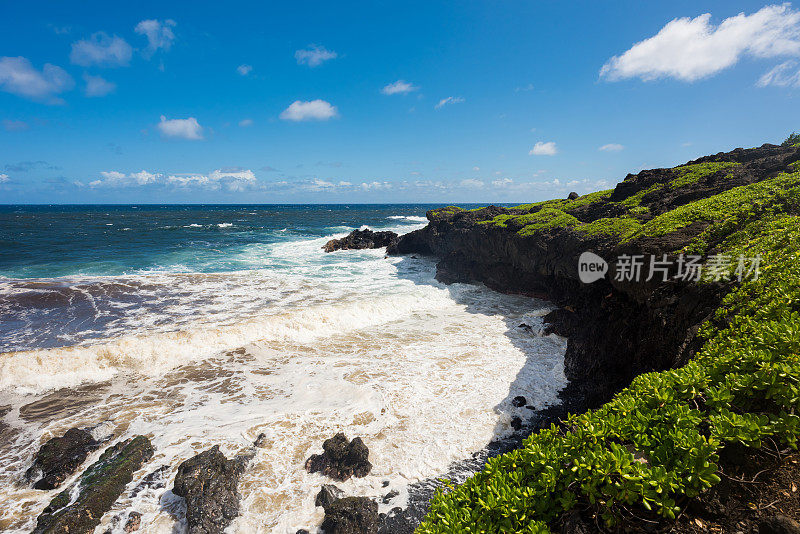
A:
{"x": 341, "y": 459}
{"x": 358, "y": 239}
{"x": 519, "y": 401}
{"x": 208, "y": 483}
{"x": 134, "y": 522}
{"x": 59, "y": 457}
{"x": 351, "y": 515}
{"x": 327, "y": 495}
{"x": 80, "y": 507}
{"x": 573, "y": 196}
{"x": 779, "y": 524}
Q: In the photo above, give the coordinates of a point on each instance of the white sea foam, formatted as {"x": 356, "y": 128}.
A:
{"x": 410, "y": 218}
{"x": 349, "y": 341}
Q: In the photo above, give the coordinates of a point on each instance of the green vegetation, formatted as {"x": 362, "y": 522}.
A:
{"x": 616, "y": 226}
{"x": 657, "y": 442}
{"x": 591, "y": 198}
{"x": 792, "y": 140}
{"x": 691, "y": 174}
{"x": 636, "y": 199}
{"x": 734, "y": 205}
{"x": 442, "y": 213}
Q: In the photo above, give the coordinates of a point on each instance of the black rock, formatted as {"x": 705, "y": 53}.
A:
{"x": 208, "y": 482}
{"x": 351, "y": 515}
{"x": 358, "y": 239}
{"x": 134, "y": 522}
{"x": 261, "y": 441}
{"x": 341, "y": 459}
{"x": 516, "y": 423}
{"x": 389, "y": 496}
{"x": 155, "y": 480}
{"x": 779, "y": 524}
{"x": 573, "y": 196}
{"x": 97, "y": 489}
{"x": 519, "y": 401}
{"x": 573, "y": 524}
{"x": 302, "y": 531}
{"x": 59, "y": 457}
{"x": 327, "y": 496}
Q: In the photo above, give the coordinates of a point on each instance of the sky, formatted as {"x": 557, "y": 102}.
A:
{"x": 380, "y": 102}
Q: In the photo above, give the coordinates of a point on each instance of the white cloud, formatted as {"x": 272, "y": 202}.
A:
{"x": 3, "y": 178}
{"x": 314, "y": 55}
{"x": 14, "y": 126}
{"x": 98, "y": 86}
{"x": 786, "y": 74}
{"x": 690, "y": 49}
{"x": 450, "y": 100}
{"x": 611, "y": 147}
{"x": 182, "y": 128}
{"x": 524, "y": 88}
{"x": 159, "y": 34}
{"x": 476, "y": 168}
{"x": 544, "y": 149}
{"x": 400, "y": 87}
{"x": 19, "y": 77}
{"x": 471, "y": 183}
{"x": 502, "y": 182}
{"x": 244, "y": 70}
{"x": 313, "y": 110}
{"x": 244, "y": 123}
{"x": 230, "y": 179}
{"x": 143, "y": 177}
{"x": 101, "y": 50}
{"x": 378, "y": 186}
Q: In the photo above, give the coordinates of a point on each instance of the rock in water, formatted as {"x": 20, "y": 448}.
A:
{"x": 96, "y": 490}
{"x": 327, "y": 496}
{"x": 519, "y": 401}
{"x": 341, "y": 459}
{"x": 361, "y": 239}
{"x": 351, "y": 515}
{"x": 134, "y": 522}
{"x": 208, "y": 482}
{"x": 58, "y": 458}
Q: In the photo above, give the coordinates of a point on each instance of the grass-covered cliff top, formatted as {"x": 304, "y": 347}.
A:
{"x": 656, "y": 202}
{"x": 657, "y": 444}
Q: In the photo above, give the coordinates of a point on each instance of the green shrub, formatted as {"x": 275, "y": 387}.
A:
{"x": 645, "y": 449}
{"x": 543, "y": 219}
{"x": 614, "y": 226}
{"x": 636, "y": 199}
{"x": 691, "y": 174}
{"x": 792, "y": 140}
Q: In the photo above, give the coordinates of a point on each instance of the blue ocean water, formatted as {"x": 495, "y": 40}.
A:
{"x": 55, "y": 241}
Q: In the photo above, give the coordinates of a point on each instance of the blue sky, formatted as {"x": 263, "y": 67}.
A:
{"x": 378, "y": 101}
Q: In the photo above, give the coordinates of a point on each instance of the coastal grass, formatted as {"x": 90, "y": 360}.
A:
{"x": 657, "y": 442}
{"x": 691, "y": 174}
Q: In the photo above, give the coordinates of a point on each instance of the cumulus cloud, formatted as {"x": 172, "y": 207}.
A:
{"x": 400, "y": 87}
{"x": 690, "y": 49}
{"x": 19, "y": 77}
{"x": 244, "y": 70}
{"x": 181, "y": 128}
{"x": 611, "y": 147}
{"x": 786, "y": 74}
{"x": 231, "y": 179}
{"x": 10, "y": 125}
{"x": 544, "y": 149}
{"x": 314, "y": 55}
{"x": 98, "y": 86}
{"x": 373, "y": 186}
{"x": 244, "y": 123}
{"x": 159, "y": 34}
{"x": 450, "y": 100}
{"x": 3, "y": 178}
{"x": 313, "y": 110}
{"x": 502, "y": 182}
{"x": 101, "y": 50}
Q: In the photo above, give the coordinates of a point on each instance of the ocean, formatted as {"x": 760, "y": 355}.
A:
{"x": 209, "y": 325}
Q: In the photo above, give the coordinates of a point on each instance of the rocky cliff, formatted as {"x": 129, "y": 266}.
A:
{"x": 617, "y": 328}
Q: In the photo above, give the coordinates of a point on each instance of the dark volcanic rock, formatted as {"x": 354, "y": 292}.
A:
{"x": 519, "y": 401}
{"x": 134, "y": 522}
{"x": 351, "y": 515}
{"x": 155, "y": 480}
{"x": 358, "y": 239}
{"x": 208, "y": 483}
{"x": 59, "y": 457}
{"x": 573, "y": 196}
{"x": 779, "y": 524}
{"x": 616, "y": 329}
{"x": 96, "y": 490}
{"x": 341, "y": 459}
{"x": 327, "y": 496}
